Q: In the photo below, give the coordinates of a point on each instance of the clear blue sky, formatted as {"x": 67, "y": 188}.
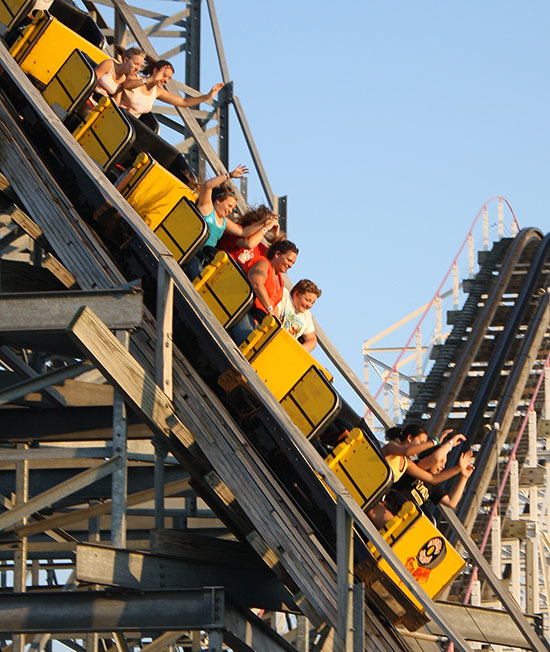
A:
{"x": 387, "y": 124}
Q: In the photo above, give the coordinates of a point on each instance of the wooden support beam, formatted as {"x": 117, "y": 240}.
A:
{"x": 511, "y": 606}
{"x": 116, "y": 364}
{"x": 54, "y": 494}
{"x": 21, "y": 368}
{"x": 120, "y": 309}
{"x": 42, "y": 383}
{"x": 484, "y": 625}
{"x": 250, "y": 587}
{"x": 532, "y": 476}
{"x": 63, "y": 520}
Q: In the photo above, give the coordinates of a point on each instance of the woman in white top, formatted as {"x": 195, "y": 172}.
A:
{"x": 112, "y": 73}
{"x": 139, "y": 93}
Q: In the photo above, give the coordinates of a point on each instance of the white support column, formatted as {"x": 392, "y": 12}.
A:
{"x": 395, "y": 396}
{"x": 418, "y": 349}
{"x": 475, "y": 601}
{"x": 369, "y": 415}
{"x": 544, "y": 569}
{"x": 515, "y": 578}
{"x": 366, "y": 370}
{"x": 485, "y": 229}
{"x": 547, "y": 392}
{"x": 514, "y": 490}
{"x": 532, "y": 461}
{"x": 496, "y": 547}
{"x": 531, "y": 576}
{"x": 496, "y": 556}
{"x": 500, "y": 220}
{"x": 438, "y": 321}
{"x": 456, "y": 285}
{"x": 513, "y": 228}
{"x": 532, "y": 456}
{"x": 471, "y": 256}
{"x": 515, "y": 558}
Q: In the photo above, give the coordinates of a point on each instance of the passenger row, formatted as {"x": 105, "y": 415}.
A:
{"x": 241, "y": 279}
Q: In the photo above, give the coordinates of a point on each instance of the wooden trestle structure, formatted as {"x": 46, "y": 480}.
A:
{"x": 136, "y": 514}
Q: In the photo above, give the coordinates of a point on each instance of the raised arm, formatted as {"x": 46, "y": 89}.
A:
{"x": 417, "y": 472}
{"x": 178, "y": 100}
{"x": 406, "y": 449}
{"x": 204, "y": 200}
{"x": 134, "y": 81}
{"x": 252, "y": 234}
{"x": 466, "y": 465}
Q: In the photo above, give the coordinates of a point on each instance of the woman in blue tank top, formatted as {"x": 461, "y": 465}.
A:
{"x": 216, "y": 201}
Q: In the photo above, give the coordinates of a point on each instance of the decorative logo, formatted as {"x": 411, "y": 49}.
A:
{"x": 432, "y": 553}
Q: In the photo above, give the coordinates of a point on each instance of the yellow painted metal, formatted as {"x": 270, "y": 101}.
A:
{"x": 292, "y": 375}
{"x": 311, "y": 402}
{"x": 12, "y": 11}
{"x": 224, "y": 288}
{"x": 361, "y": 468}
{"x": 279, "y": 359}
{"x": 105, "y": 133}
{"x": 46, "y": 43}
{"x": 165, "y": 204}
{"x": 153, "y": 191}
{"x": 424, "y": 551}
{"x": 70, "y": 85}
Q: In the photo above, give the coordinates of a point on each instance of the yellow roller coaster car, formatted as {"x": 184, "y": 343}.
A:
{"x": 12, "y": 12}
{"x": 424, "y": 551}
{"x": 45, "y": 45}
{"x": 225, "y": 289}
{"x": 105, "y": 133}
{"x": 71, "y": 85}
{"x": 361, "y": 468}
{"x": 292, "y": 375}
{"x": 165, "y": 204}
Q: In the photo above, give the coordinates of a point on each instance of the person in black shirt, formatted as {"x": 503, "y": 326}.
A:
{"x": 419, "y": 492}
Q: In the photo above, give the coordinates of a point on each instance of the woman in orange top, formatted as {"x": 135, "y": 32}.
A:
{"x": 266, "y": 279}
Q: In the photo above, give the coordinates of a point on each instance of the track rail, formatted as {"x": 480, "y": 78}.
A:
{"x": 484, "y": 372}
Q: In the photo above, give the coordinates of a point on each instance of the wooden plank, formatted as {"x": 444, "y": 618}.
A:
{"x": 26, "y": 224}
{"x": 197, "y": 547}
{"x": 87, "y": 513}
{"x": 80, "y": 393}
{"x": 59, "y": 271}
{"x": 61, "y": 490}
{"x": 121, "y": 369}
{"x": 35, "y": 232}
